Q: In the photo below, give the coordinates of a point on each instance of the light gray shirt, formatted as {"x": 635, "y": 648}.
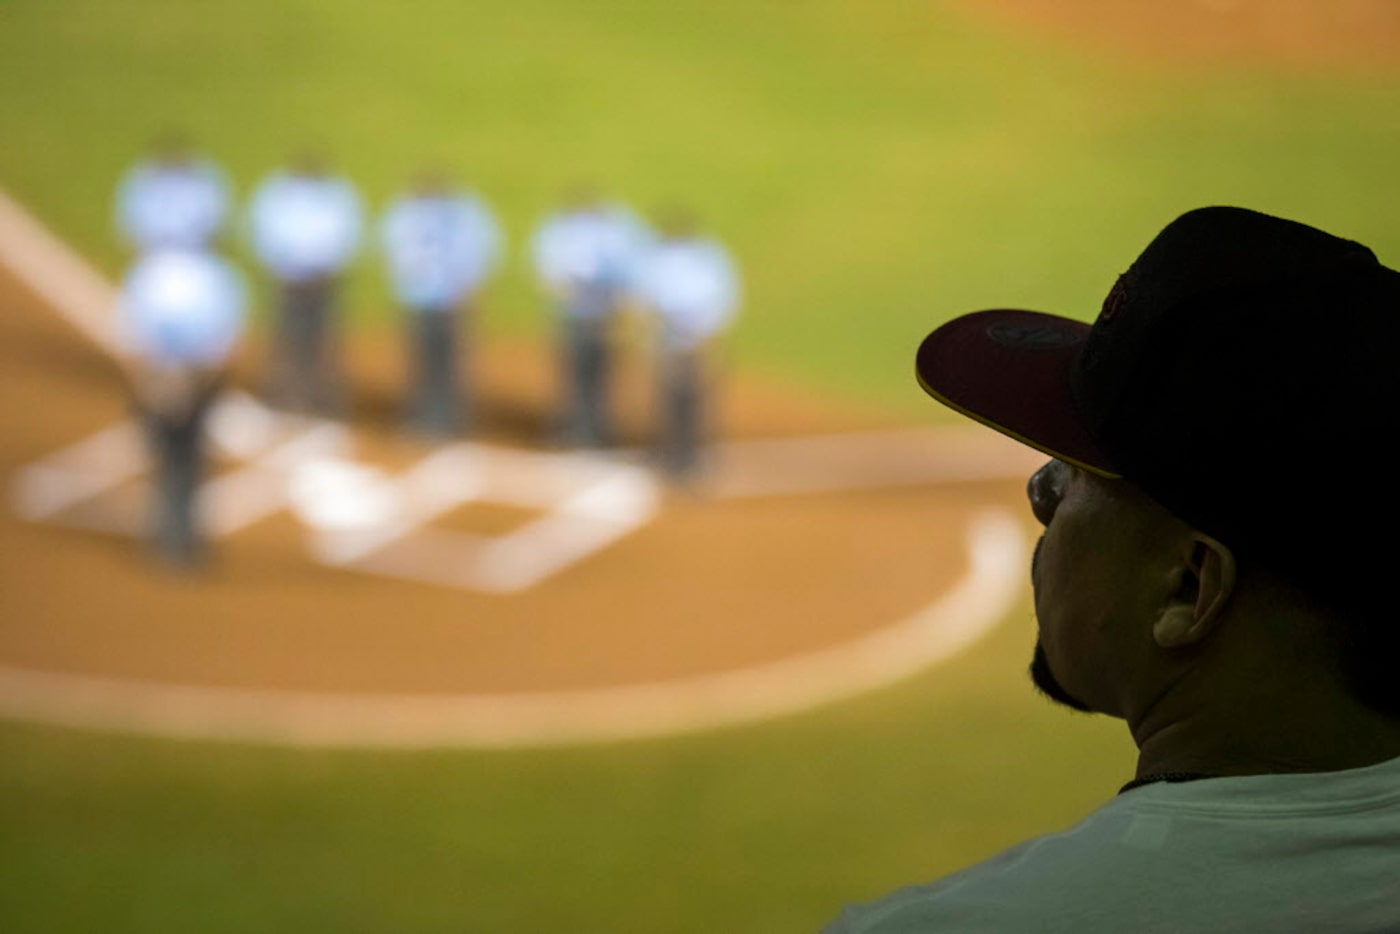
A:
{"x": 1308, "y": 853}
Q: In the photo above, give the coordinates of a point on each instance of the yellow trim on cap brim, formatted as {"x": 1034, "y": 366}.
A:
{"x": 1107, "y": 474}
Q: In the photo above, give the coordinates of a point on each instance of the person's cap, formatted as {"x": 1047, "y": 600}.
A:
{"x": 1240, "y": 366}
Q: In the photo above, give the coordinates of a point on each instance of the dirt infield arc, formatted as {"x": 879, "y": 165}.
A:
{"x": 833, "y": 552}
{"x": 1357, "y": 36}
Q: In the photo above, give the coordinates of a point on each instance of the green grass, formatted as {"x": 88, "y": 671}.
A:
{"x": 876, "y": 167}
{"x": 760, "y": 829}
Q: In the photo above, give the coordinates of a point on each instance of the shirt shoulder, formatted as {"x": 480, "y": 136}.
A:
{"x": 1294, "y": 853}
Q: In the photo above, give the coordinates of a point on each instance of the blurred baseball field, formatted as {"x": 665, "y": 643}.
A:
{"x": 875, "y": 168}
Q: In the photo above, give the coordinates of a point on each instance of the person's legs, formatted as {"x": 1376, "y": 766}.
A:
{"x": 301, "y": 328}
{"x": 283, "y": 381}
{"x": 177, "y": 443}
{"x": 307, "y": 378}
{"x": 588, "y": 422}
{"x": 321, "y": 349}
{"x": 682, "y": 413}
{"x": 438, "y": 405}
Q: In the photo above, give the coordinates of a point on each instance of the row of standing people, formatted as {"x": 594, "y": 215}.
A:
{"x": 184, "y": 304}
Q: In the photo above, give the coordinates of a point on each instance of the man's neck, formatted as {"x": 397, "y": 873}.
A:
{"x": 1316, "y": 735}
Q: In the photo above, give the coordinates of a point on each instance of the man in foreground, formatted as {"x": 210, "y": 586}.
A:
{"x": 1215, "y": 570}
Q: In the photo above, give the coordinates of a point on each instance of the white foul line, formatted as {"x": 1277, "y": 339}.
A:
{"x": 51, "y": 268}
{"x": 79, "y": 472}
{"x": 997, "y": 551}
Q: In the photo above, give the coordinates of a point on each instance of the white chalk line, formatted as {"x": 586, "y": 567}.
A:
{"x": 611, "y": 502}
{"x": 997, "y": 551}
{"x": 67, "y": 282}
{"x": 752, "y": 468}
{"x": 79, "y": 472}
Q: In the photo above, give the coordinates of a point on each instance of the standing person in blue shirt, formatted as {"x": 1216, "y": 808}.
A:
{"x": 441, "y": 243}
{"x": 689, "y": 284}
{"x": 172, "y": 198}
{"x": 181, "y": 313}
{"x": 586, "y": 256}
{"x": 305, "y": 225}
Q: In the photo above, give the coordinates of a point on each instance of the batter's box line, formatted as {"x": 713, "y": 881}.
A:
{"x": 367, "y": 521}
{"x": 358, "y": 516}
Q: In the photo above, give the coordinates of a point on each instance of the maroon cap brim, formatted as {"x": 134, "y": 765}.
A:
{"x": 1009, "y": 370}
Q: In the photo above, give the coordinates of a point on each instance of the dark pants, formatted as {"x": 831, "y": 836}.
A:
{"x": 306, "y": 378}
{"x": 438, "y": 404}
{"x": 682, "y": 411}
{"x": 178, "y": 456}
{"x": 587, "y": 418}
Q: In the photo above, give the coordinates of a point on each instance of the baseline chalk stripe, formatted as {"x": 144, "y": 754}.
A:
{"x": 997, "y": 550}
{"x": 79, "y": 472}
{"x": 260, "y": 487}
{"x": 586, "y": 504}
{"x": 67, "y": 282}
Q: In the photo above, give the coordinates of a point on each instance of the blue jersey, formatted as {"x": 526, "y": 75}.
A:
{"x": 439, "y": 248}
{"x": 183, "y": 308}
{"x": 692, "y": 286}
{"x": 589, "y": 256}
{"x": 304, "y": 227}
{"x": 172, "y": 205}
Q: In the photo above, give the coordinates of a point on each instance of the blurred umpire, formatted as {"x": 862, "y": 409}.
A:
{"x": 441, "y": 244}
{"x": 174, "y": 198}
{"x": 1217, "y": 569}
{"x": 586, "y": 255}
{"x": 689, "y": 284}
{"x": 181, "y": 313}
{"x": 305, "y": 227}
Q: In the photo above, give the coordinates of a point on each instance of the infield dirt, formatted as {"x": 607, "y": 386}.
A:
{"x": 1332, "y": 35}
{"x": 707, "y": 586}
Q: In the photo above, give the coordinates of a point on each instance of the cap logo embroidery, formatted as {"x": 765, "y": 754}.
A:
{"x": 1117, "y": 297}
{"x": 1032, "y": 336}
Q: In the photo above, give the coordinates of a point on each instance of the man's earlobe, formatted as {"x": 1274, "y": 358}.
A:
{"x": 1206, "y": 580}
{"x": 1174, "y": 627}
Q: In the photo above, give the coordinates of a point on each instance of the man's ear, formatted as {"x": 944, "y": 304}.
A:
{"x": 1204, "y": 581}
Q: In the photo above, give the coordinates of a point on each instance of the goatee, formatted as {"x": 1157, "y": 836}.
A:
{"x": 1045, "y": 681}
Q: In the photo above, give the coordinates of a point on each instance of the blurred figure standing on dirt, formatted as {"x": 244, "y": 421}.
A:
{"x": 586, "y": 255}
{"x": 181, "y": 313}
{"x": 173, "y": 198}
{"x": 689, "y": 284}
{"x": 441, "y": 243}
{"x": 305, "y": 223}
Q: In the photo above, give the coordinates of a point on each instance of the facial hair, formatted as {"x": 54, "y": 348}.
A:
{"x": 1047, "y": 684}
{"x": 1041, "y": 676}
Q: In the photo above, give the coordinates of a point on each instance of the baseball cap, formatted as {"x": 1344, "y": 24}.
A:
{"x": 1244, "y": 372}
